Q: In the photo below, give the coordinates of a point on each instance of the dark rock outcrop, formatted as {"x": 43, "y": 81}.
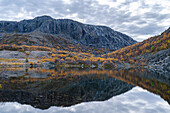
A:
{"x": 88, "y": 35}
{"x": 161, "y": 59}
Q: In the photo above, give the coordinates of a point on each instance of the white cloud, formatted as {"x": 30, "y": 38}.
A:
{"x": 67, "y": 1}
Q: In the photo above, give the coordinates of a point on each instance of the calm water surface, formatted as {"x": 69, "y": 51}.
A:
{"x": 84, "y": 91}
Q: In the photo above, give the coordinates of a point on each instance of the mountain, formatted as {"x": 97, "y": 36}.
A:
{"x": 68, "y": 43}
{"x": 36, "y": 32}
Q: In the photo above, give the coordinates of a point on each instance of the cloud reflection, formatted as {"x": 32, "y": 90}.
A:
{"x": 135, "y": 100}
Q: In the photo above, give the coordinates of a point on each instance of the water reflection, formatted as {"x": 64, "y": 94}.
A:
{"x": 136, "y": 100}
{"x": 61, "y": 90}
{"x": 65, "y": 87}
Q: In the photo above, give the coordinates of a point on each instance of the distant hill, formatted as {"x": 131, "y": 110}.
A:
{"x": 46, "y": 31}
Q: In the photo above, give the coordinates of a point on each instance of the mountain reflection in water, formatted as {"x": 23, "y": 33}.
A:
{"x": 42, "y": 88}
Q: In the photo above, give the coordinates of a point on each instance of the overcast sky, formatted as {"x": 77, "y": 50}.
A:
{"x": 139, "y": 19}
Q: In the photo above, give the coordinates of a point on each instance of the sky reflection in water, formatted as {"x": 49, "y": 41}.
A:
{"x": 135, "y": 100}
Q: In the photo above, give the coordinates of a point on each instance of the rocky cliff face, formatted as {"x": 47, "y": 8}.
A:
{"x": 88, "y": 35}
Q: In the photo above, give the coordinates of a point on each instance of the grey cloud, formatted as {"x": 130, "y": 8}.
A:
{"x": 156, "y": 16}
{"x": 141, "y": 22}
{"x": 145, "y": 30}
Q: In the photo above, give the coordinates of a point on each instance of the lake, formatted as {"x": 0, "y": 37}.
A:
{"x": 73, "y": 90}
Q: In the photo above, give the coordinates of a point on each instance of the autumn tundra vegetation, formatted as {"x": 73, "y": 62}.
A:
{"x": 134, "y": 53}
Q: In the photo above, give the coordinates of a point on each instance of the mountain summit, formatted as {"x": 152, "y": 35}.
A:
{"x": 70, "y": 30}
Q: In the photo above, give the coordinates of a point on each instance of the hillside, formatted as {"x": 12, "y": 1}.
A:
{"x": 45, "y": 40}
{"x": 49, "y": 32}
{"x": 152, "y": 50}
